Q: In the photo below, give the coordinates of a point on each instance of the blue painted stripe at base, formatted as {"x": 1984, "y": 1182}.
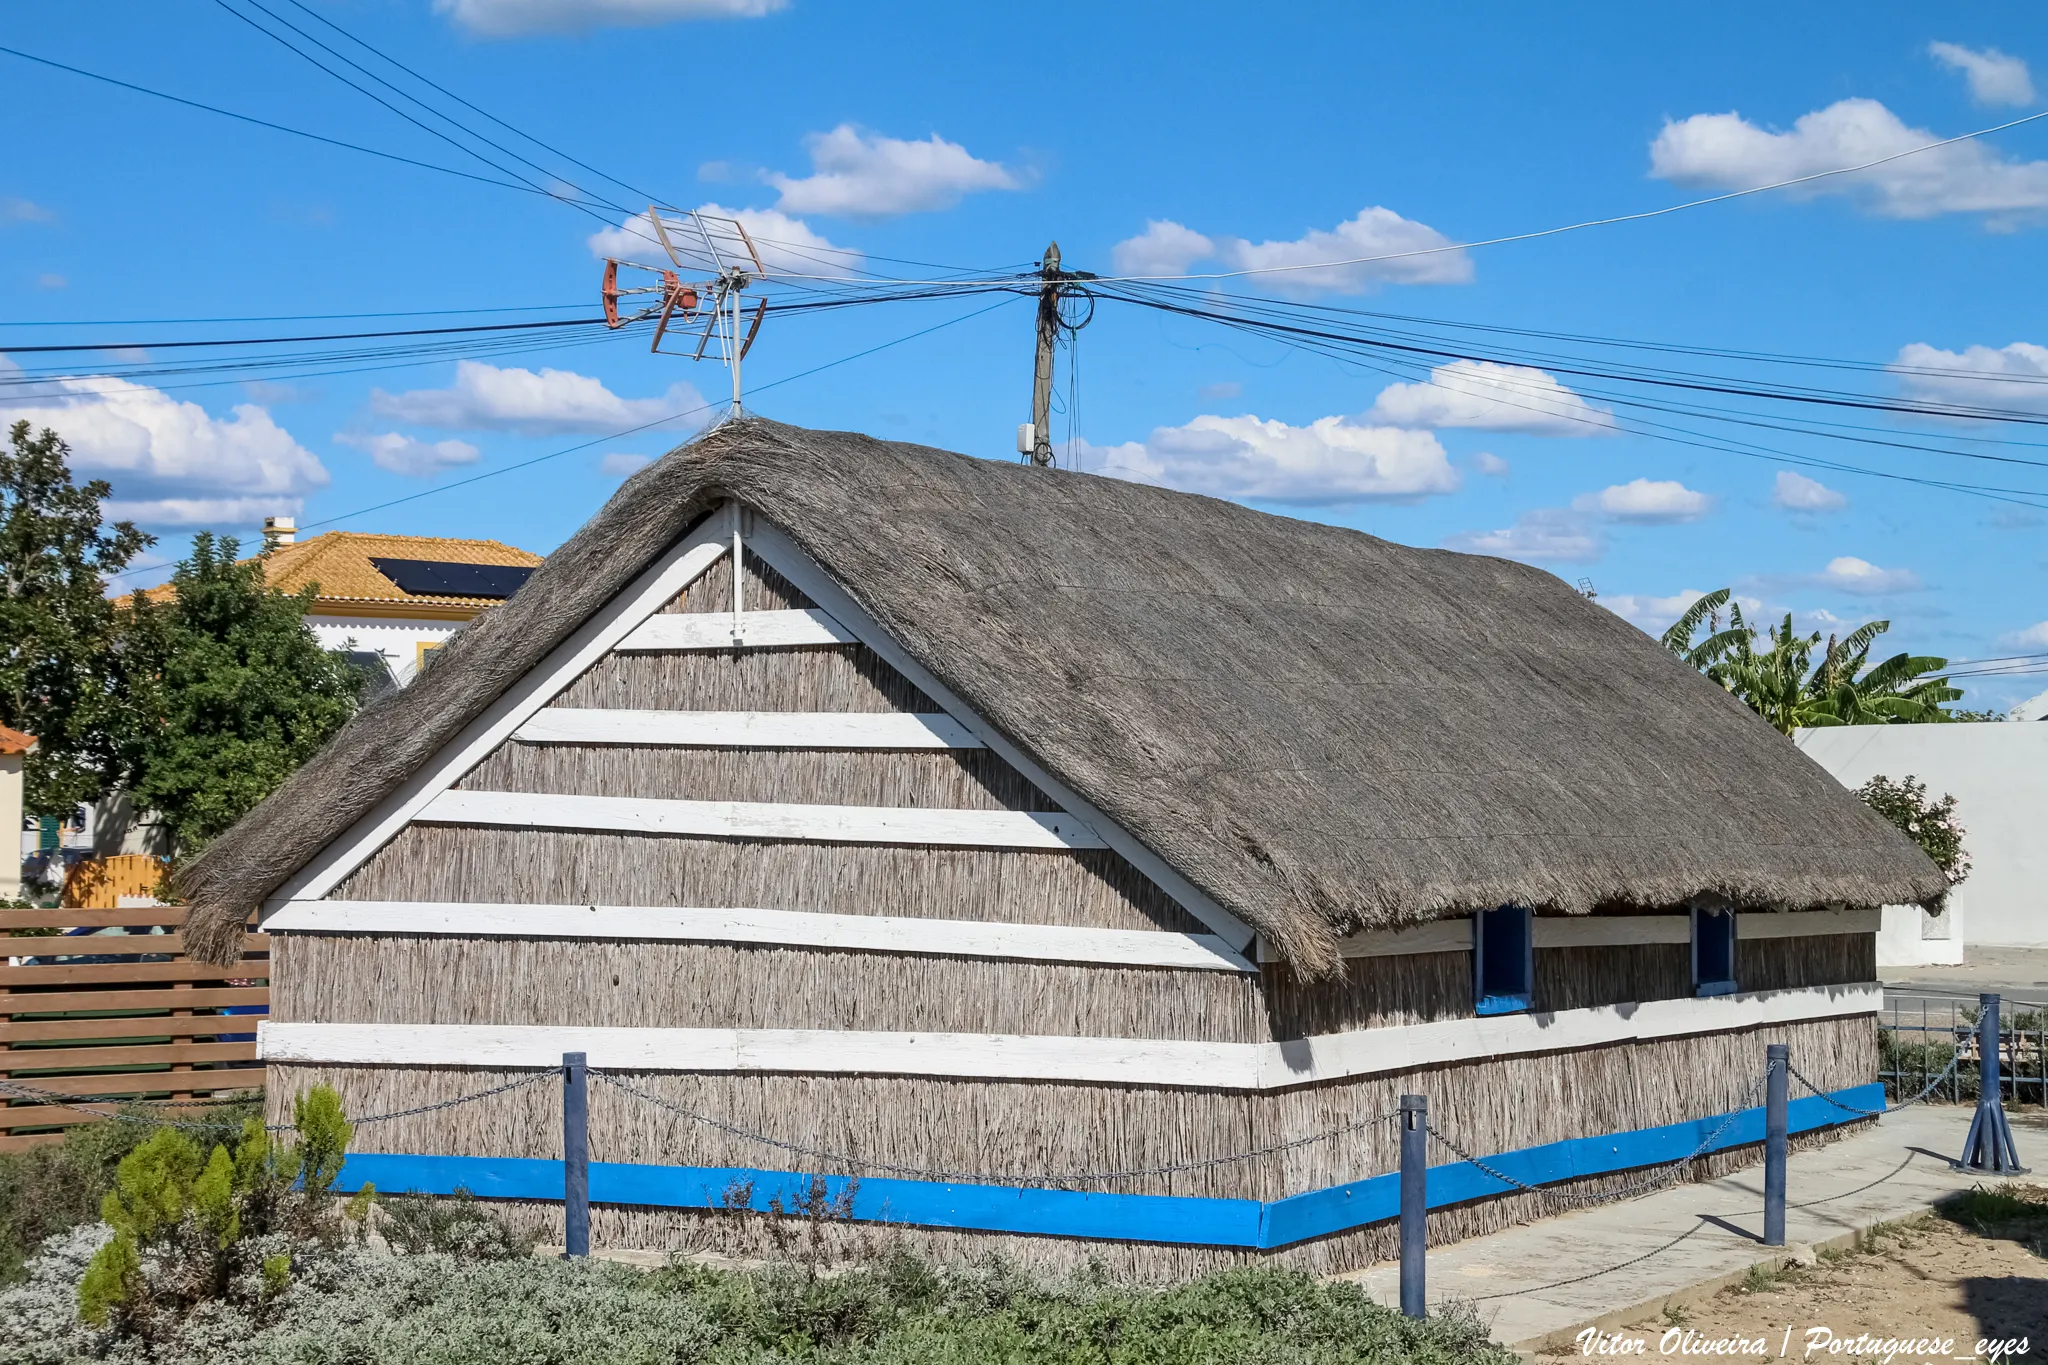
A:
{"x": 1186, "y": 1221}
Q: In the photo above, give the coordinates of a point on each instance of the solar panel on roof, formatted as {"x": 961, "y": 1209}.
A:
{"x": 440, "y": 578}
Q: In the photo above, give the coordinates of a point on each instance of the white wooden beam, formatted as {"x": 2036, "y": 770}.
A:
{"x": 748, "y": 729}
{"x": 676, "y": 631}
{"x": 1806, "y": 923}
{"x": 783, "y": 928}
{"x": 674, "y": 571}
{"x": 789, "y": 560}
{"x": 762, "y": 820}
{"x": 1112, "y": 1061}
{"x": 1444, "y": 936}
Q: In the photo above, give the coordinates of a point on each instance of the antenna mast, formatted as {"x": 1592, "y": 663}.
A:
{"x": 710, "y": 308}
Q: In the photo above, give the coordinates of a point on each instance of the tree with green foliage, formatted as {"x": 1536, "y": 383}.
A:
{"x": 189, "y": 1228}
{"x": 57, "y": 628}
{"x": 1784, "y": 683}
{"x": 231, "y": 692}
{"x": 1930, "y": 824}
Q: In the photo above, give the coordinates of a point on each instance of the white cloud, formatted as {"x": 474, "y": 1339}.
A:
{"x": 1655, "y": 614}
{"x": 1646, "y": 502}
{"x": 172, "y": 462}
{"x": 513, "y": 18}
{"x": 864, "y": 175}
{"x": 16, "y": 210}
{"x": 1331, "y": 460}
{"x": 1861, "y": 578}
{"x": 549, "y": 403}
{"x": 1994, "y": 77}
{"x": 785, "y": 243}
{"x": 1727, "y": 151}
{"x": 1797, "y": 493}
{"x": 1163, "y": 248}
{"x": 1168, "y": 248}
{"x": 2014, "y": 376}
{"x": 50, "y": 279}
{"x": 409, "y": 455}
{"x": 1222, "y": 388}
{"x": 1544, "y": 534}
{"x": 1486, "y": 462}
{"x": 1490, "y": 397}
{"x": 618, "y": 464}
{"x": 2034, "y": 636}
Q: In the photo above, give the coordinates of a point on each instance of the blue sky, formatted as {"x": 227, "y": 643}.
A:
{"x": 1146, "y": 139}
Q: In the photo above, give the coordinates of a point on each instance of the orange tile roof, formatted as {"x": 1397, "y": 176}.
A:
{"x": 14, "y": 742}
{"x": 338, "y": 564}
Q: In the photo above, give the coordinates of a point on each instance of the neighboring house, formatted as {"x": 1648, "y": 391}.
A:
{"x": 1998, "y": 774}
{"x": 2033, "y": 708}
{"x": 15, "y": 747}
{"x": 979, "y": 830}
{"x": 389, "y": 599}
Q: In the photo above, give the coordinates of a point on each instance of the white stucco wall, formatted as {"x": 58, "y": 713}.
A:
{"x": 398, "y": 641}
{"x": 1998, "y": 774}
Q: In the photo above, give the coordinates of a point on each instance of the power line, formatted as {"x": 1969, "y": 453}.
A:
{"x": 266, "y": 123}
{"x": 280, "y": 341}
{"x": 1591, "y": 222}
{"x": 298, "y": 317}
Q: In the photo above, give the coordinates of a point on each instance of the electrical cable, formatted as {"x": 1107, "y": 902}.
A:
{"x": 266, "y": 123}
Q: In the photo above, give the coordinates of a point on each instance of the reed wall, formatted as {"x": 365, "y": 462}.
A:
{"x": 1091, "y": 887}
{"x": 811, "y": 678}
{"x": 958, "y": 779}
{"x": 435, "y": 980}
{"x": 764, "y": 589}
{"x": 1041, "y": 1132}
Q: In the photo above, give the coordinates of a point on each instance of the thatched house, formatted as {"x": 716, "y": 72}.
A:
{"x": 979, "y": 829}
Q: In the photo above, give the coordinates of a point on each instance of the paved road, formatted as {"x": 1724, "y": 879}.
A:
{"x": 2020, "y": 974}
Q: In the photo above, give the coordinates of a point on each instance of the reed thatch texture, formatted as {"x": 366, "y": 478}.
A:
{"x": 1193, "y": 669}
{"x": 1039, "y": 1132}
{"x": 1613, "y": 974}
{"x": 432, "y": 980}
{"x": 813, "y": 678}
{"x": 1371, "y": 993}
{"x": 765, "y": 590}
{"x": 1090, "y": 888}
{"x": 1771, "y": 964}
{"x": 958, "y": 779}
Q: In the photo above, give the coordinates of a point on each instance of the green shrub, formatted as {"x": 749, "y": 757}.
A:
{"x": 193, "y": 1227}
{"x": 458, "y": 1226}
{"x": 47, "y": 1190}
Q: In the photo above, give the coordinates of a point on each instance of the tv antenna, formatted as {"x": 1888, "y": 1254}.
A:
{"x": 703, "y": 308}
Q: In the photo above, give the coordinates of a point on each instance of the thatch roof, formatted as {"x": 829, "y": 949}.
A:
{"x": 1322, "y": 730}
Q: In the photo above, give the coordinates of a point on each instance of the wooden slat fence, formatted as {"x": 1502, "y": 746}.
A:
{"x": 98, "y": 1001}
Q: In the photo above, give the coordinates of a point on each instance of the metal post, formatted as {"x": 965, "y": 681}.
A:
{"x": 1414, "y": 1203}
{"x": 1777, "y": 1092}
{"x": 575, "y": 1154}
{"x": 1988, "y": 1150}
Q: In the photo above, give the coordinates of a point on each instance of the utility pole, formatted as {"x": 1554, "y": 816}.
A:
{"x": 1041, "y": 374}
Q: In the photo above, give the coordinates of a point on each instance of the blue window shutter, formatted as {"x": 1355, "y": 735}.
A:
{"x": 1713, "y": 950}
{"x": 1503, "y": 960}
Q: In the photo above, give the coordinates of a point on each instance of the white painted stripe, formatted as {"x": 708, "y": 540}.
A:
{"x": 595, "y": 638}
{"x": 789, "y": 560}
{"x": 762, "y": 820}
{"x": 789, "y": 928}
{"x": 749, "y": 729}
{"x": 1114, "y": 1061}
{"x": 1803, "y": 923}
{"x": 1445, "y": 936}
{"x": 696, "y": 630}
{"x": 1605, "y": 931}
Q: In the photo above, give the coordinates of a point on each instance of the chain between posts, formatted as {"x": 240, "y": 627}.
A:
{"x": 1667, "y": 1177}
{"x": 963, "y": 1177}
{"x": 51, "y": 1097}
{"x": 1946, "y": 1072}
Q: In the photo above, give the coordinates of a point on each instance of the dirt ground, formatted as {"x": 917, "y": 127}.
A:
{"x": 1943, "y": 1286}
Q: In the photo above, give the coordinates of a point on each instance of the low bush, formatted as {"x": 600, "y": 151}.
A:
{"x": 48, "y": 1190}
{"x": 364, "y": 1306}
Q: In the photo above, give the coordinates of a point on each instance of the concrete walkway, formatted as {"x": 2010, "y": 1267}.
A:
{"x": 1620, "y": 1263}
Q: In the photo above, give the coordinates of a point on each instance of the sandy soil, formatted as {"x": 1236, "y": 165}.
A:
{"x": 1976, "y": 1272}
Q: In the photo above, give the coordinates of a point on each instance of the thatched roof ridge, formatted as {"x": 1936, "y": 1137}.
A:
{"x": 1322, "y": 730}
